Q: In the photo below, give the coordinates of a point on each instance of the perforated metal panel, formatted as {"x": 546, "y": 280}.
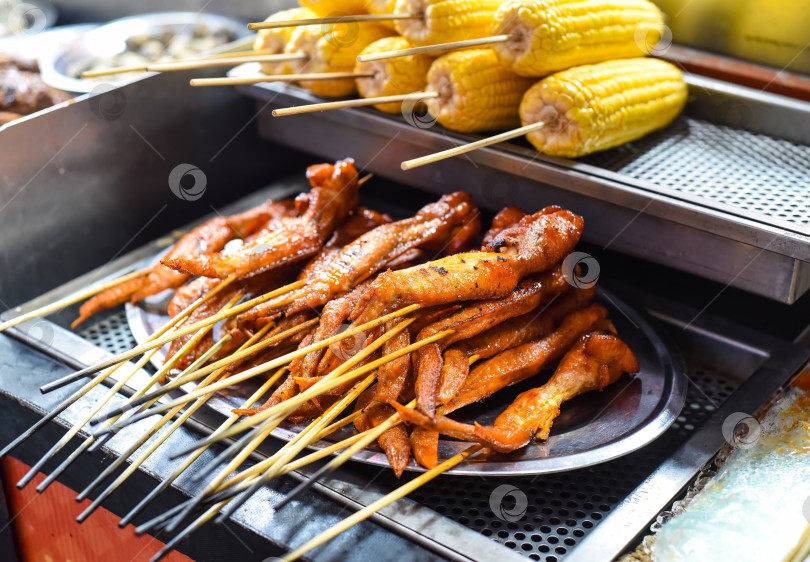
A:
{"x": 752, "y": 172}
{"x": 111, "y": 333}
{"x": 563, "y": 508}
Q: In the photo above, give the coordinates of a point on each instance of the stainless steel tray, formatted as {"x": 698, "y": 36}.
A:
{"x": 593, "y": 428}
{"x": 723, "y": 193}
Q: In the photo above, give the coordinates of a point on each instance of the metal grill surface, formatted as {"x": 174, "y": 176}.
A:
{"x": 755, "y": 173}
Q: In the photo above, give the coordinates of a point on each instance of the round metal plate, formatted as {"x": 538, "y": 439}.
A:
{"x": 592, "y": 428}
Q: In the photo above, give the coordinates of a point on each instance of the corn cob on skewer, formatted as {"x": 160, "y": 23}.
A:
{"x": 599, "y": 106}
{"x": 333, "y": 49}
{"x": 398, "y": 76}
{"x": 557, "y": 34}
{"x": 445, "y": 20}
{"x": 475, "y": 92}
{"x": 590, "y": 108}
{"x": 274, "y": 40}
{"x": 382, "y": 7}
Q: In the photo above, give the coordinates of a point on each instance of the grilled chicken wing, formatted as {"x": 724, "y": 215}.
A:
{"x": 596, "y": 360}
{"x": 333, "y": 196}
{"x": 535, "y": 244}
{"x": 475, "y": 318}
{"x": 211, "y": 236}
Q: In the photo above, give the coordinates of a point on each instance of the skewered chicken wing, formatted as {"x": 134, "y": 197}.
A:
{"x": 474, "y": 319}
{"x": 535, "y": 244}
{"x": 596, "y": 360}
{"x": 211, "y": 236}
{"x": 333, "y": 196}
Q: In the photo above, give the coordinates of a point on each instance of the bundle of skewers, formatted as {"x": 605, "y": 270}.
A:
{"x": 572, "y": 76}
{"x": 340, "y": 316}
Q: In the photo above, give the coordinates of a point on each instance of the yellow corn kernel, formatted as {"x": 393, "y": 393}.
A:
{"x": 599, "y": 106}
{"x": 557, "y": 34}
{"x": 382, "y": 7}
{"x": 324, "y": 8}
{"x": 475, "y": 92}
{"x": 276, "y": 39}
{"x": 332, "y": 48}
{"x": 443, "y": 21}
{"x": 392, "y": 77}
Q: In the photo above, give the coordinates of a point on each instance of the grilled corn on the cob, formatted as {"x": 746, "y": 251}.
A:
{"x": 599, "y": 106}
{"x": 392, "y": 77}
{"x": 335, "y": 50}
{"x": 325, "y": 8}
{"x": 554, "y": 35}
{"x": 476, "y": 93}
{"x": 276, "y": 39}
{"x": 445, "y": 20}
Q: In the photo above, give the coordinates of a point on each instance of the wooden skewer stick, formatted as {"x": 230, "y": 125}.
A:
{"x": 438, "y": 48}
{"x": 113, "y": 390}
{"x": 237, "y": 81}
{"x": 142, "y": 67}
{"x": 289, "y": 405}
{"x": 429, "y": 159}
{"x": 91, "y": 384}
{"x": 315, "y": 426}
{"x": 296, "y": 401}
{"x": 369, "y": 437}
{"x": 212, "y": 63}
{"x": 199, "y": 373}
{"x": 416, "y": 96}
{"x": 71, "y": 299}
{"x": 256, "y": 26}
{"x": 194, "y": 456}
{"x": 386, "y": 500}
{"x": 90, "y": 443}
{"x": 166, "y": 338}
{"x": 139, "y": 442}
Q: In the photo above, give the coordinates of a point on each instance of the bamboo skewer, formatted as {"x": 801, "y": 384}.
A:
{"x": 143, "y": 439}
{"x": 386, "y": 500}
{"x": 360, "y": 18}
{"x": 88, "y": 386}
{"x": 196, "y": 454}
{"x": 238, "y": 81}
{"x": 208, "y": 369}
{"x": 463, "y": 149}
{"x": 142, "y": 67}
{"x": 264, "y": 367}
{"x": 369, "y": 437}
{"x": 164, "y": 339}
{"x": 286, "y": 407}
{"x": 438, "y": 48}
{"x": 415, "y": 96}
{"x": 71, "y": 299}
{"x": 212, "y": 63}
